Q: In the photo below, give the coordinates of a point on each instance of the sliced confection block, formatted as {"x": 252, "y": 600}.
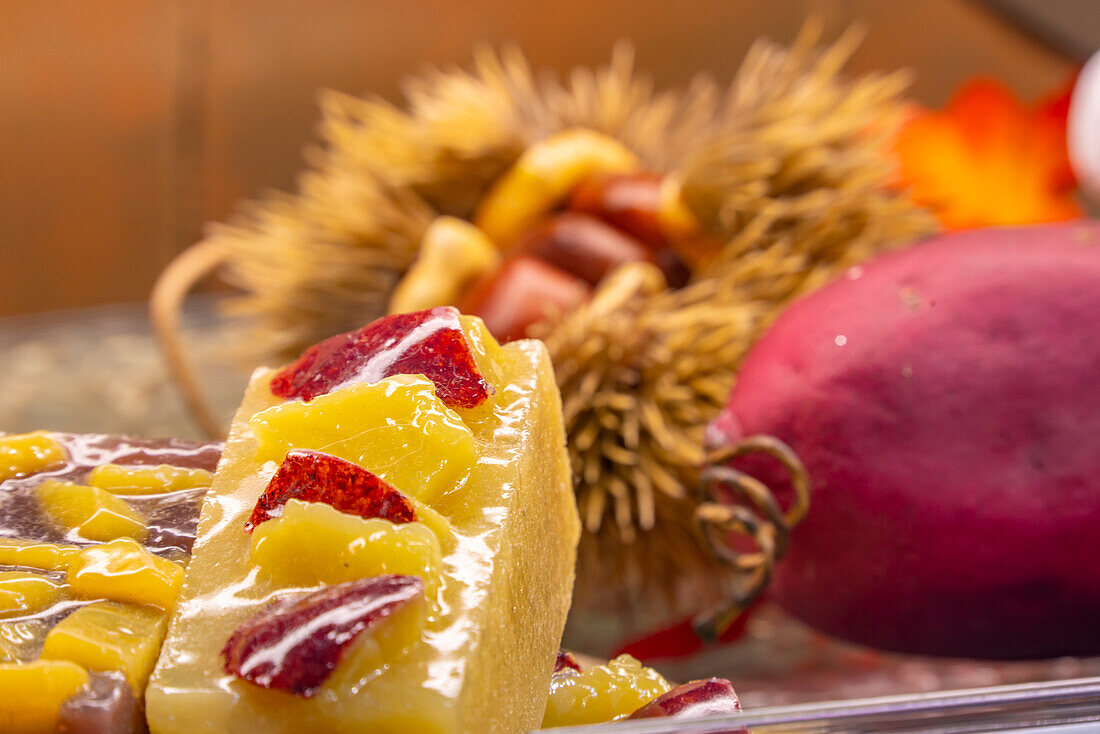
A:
{"x": 440, "y": 613}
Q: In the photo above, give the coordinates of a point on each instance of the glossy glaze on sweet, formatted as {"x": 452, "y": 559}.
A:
{"x": 497, "y": 594}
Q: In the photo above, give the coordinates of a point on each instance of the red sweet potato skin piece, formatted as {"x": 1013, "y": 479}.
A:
{"x": 946, "y": 401}
{"x": 314, "y": 476}
{"x": 429, "y": 343}
{"x": 693, "y": 700}
{"x": 566, "y": 664}
{"x": 295, "y": 643}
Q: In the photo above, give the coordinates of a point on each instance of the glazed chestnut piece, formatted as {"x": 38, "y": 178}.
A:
{"x": 582, "y": 245}
{"x": 601, "y": 693}
{"x": 524, "y": 291}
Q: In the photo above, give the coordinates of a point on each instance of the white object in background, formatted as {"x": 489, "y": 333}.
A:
{"x": 1083, "y": 131}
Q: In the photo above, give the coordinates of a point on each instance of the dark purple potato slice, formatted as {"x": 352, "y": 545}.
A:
{"x": 105, "y": 706}
{"x": 699, "y": 698}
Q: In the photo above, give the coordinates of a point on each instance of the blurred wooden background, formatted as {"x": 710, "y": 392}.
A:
{"x": 125, "y": 125}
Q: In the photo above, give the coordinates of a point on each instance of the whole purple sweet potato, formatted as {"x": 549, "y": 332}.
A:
{"x": 946, "y": 401}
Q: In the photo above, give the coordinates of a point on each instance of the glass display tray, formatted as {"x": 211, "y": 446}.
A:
{"x": 791, "y": 678}
{"x": 781, "y": 662}
{"x": 1059, "y": 707}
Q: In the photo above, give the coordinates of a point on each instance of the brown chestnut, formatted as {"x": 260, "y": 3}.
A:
{"x": 582, "y": 245}
{"x": 630, "y": 202}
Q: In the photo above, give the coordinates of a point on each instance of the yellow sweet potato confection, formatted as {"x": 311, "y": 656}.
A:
{"x": 122, "y": 570}
{"x": 90, "y": 512}
{"x": 109, "y": 636}
{"x": 494, "y": 541}
{"x": 25, "y": 592}
{"x": 27, "y": 453}
{"x": 36, "y": 554}
{"x": 33, "y": 694}
{"x": 138, "y": 480}
{"x": 311, "y": 542}
{"x": 391, "y": 419}
{"x": 603, "y": 693}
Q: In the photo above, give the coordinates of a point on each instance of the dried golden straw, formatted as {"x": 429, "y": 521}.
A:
{"x": 642, "y": 369}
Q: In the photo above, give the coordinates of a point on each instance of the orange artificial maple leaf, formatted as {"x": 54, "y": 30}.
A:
{"x": 988, "y": 159}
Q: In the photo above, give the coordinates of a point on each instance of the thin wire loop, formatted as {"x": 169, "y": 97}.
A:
{"x": 734, "y": 503}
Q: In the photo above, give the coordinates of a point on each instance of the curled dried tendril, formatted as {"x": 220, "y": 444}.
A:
{"x": 754, "y": 513}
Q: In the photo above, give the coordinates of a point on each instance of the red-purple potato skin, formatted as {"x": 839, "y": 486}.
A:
{"x": 946, "y": 401}
{"x": 693, "y": 700}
